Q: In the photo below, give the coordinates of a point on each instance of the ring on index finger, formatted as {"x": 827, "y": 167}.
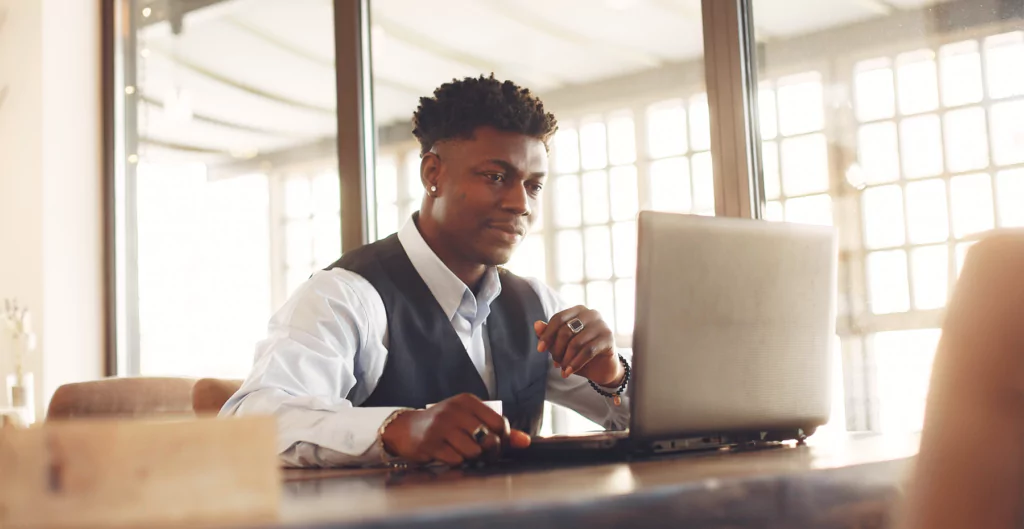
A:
{"x": 576, "y": 325}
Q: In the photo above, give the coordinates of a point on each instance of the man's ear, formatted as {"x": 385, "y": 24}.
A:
{"x": 430, "y": 173}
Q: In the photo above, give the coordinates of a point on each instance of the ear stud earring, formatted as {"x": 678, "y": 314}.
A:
{"x": 433, "y": 189}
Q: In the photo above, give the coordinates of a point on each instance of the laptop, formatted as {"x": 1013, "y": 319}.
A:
{"x": 734, "y": 325}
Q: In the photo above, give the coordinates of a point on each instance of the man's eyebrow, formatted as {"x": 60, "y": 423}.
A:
{"x": 508, "y": 167}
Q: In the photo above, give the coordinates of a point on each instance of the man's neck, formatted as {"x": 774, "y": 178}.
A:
{"x": 471, "y": 274}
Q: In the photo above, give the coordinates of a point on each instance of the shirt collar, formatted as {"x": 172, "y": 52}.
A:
{"x": 449, "y": 291}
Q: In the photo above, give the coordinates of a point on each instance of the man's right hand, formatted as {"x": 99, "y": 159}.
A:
{"x": 444, "y": 432}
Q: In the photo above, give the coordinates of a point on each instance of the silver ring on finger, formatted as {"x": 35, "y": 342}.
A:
{"x": 480, "y": 433}
{"x": 576, "y": 325}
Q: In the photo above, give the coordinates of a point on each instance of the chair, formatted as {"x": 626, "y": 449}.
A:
{"x": 210, "y": 394}
{"x": 123, "y": 397}
{"x": 970, "y": 468}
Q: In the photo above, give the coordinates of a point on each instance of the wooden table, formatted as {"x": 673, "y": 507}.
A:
{"x": 847, "y": 481}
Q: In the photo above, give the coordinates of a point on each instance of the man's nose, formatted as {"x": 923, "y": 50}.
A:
{"x": 517, "y": 200}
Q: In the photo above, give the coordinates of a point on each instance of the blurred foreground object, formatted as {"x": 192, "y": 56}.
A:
{"x": 132, "y": 473}
{"x": 970, "y": 469}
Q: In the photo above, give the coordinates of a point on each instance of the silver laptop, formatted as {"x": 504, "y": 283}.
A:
{"x": 734, "y": 324}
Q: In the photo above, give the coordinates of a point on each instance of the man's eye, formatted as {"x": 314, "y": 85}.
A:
{"x": 495, "y": 177}
{"x": 535, "y": 188}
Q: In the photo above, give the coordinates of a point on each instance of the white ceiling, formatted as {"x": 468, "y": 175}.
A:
{"x": 260, "y": 73}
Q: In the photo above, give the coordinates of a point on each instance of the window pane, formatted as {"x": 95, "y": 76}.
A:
{"x": 670, "y": 185}
{"x": 972, "y": 204}
{"x": 573, "y": 295}
{"x": 768, "y": 124}
{"x": 326, "y": 239}
{"x": 927, "y": 212}
{"x": 567, "y": 200}
{"x": 921, "y": 146}
{"x": 666, "y": 129}
{"x": 1011, "y": 198}
{"x": 961, "y": 254}
{"x": 904, "y": 365}
{"x": 624, "y": 193}
{"x": 625, "y": 299}
{"x": 770, "y": 165}
{"x": 805, "y": 165}
{"x": 528, "y": 259}
{"x": 700, "y": 123}
{"x": 875, "y": 93}
{"x": 931, "y": 276}
{"x": 387, "y": 180}
{"x": 883, "y": 216}
{"x": 298, "y": 236}
{"x": 877, "y": 152}
{"x": 295, "y": 277}
{"x": 961, "y": 73}
{"x": 621, "y": 138}
{"x": 593, "y": 145}
{"x": 566, "y": 151}
{"x": 918, "y": 87}
{"x": 887, "y": 280}
{"x": 774, "y": 211}
{"x": 601, "y": 298}
{"x": 1003, "y": 55}
{"x": 814, "y": 209}
{"x": 703, "y": 184}
{"x": 966, "y": 141}
{"x": 298, "y": 204}
{"x": 1008, "y": 132}
{"x": 598, "y": 244}
{"x": 595, "y": 197}
{"x": 570, "y": 256}
{"x": 413, "y": 183}
{"x": 624, "y": 235}
{"x": 326, "y": 194}
{"x": 801, "y": 106}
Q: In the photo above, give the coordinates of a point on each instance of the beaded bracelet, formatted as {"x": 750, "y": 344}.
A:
{"x": 616, "y": 397}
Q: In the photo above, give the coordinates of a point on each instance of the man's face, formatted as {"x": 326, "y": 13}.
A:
{"x": 488, "y": 192}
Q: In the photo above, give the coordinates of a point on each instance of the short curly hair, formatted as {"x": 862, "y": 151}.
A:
{"x": 460, "y": 107}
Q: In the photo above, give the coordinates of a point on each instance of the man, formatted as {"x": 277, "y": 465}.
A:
{"x": 389, "y": 354}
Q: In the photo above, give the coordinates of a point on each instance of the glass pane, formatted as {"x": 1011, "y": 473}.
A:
{"x": 1011, "y": 198}
{"x": 295, "y": 277}
{"x": 569, "y": 253}
{"x": 921, "y": 146}
{"x": 805, "y": 165}
{"x": 1008, "y": 132}
{"x": 770, "y": 165}
{"x": 774, "y": 211}
{"x": 931, "y": 276}
{"x": 801, "y": 106}
{"x": 961, "y": 254}
{"x": 298, "y": 204}
{"x": 700, "y": 123}
{"x": 566, "y": 151}
{"x": 387, "y": 180}
{"x": 889, "y": 291}
{"x": 528, "y": 259}
{"x": 927, "y": 211}
{"x": 598, "y": 244}
{"x": 595, "y": 197}
{"x": 703, "y": 184}
{"x": 567, "y": 200}
{"x": 601, "y": 297}
{"x": 573, "y": 295}
{"x": 814, "y": 209}
{"x": 918, "y": 87}
{"x": 666, "y": 129}
{"x": 413, "y": 184}
{"x": 621, "y": 138}
{"x": 298, "y": 236}
{"x": 624, "y": 241}
{"x": 387, "y": 220}
{"x": 883, "y": 216}
{"x": 768, "y": 124}
{"x": 972, "y": 204}
{"x": 903, "y": 371}
{"x": 326, "y": 239}
{"x": 625, "y": 300}
{"x": 961, "y": 73}
{"x": 966, "y": 141}
{"x": 877, "y": 151}
{"x": 670, "y": 185}
{"x": 624, "y": 194}
{"x": 326, "y": 194}
{"x": 593, "y": 144}
{"x": 1003, "y": 56}
{"x": 875, "y": 92}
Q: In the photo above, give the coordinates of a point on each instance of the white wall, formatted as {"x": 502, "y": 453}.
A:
{"x": 50, "y": 185}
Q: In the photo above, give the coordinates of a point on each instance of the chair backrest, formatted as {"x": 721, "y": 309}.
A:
{"x": 970, "y": 468}
{"x": 210, "y": 394}
{"x": 123, "y": 397}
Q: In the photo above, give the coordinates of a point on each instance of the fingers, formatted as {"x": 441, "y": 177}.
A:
{"x": 490, "y": 418}
{"x": 466, "y": 446}
{"x": 603, "y": 344}
{"x": 555, "y": 325}
{"x": 447, "y": 455}
{"x": 518, "y": 439}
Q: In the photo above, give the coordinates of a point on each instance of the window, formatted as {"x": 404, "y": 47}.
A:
{"x": 910, "y": 145}
{"x": 624, "y": 144}
{"x": 226, "y": 185}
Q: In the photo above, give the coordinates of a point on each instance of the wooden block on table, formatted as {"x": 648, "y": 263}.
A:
{"x": 117, "y": 473}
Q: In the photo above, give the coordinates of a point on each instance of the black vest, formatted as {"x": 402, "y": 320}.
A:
{"x": 426, "y": 360}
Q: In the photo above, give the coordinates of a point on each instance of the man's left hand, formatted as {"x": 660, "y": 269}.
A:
{"x": 590, "y": 353}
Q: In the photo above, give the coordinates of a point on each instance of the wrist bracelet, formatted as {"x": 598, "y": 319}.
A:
{"x": 385, "y": 457}
{"x": 616, "y": 396}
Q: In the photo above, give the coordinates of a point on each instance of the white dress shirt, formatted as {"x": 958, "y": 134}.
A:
{"x": 327, "y": 348}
